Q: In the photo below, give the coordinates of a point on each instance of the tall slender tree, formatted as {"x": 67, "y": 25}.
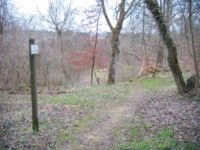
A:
{"x": 59, "y": 18}
{"x": 193, "y": 46}
{"x": 122, "y": 13}
{"x": 4, "y": 18}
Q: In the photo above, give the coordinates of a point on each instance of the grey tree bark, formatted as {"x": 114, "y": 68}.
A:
{"x": 144, "y": 39}
{"x": 193, "y": 46}
{"x": 95, "y": 47}
{"x": 115, "y": 30}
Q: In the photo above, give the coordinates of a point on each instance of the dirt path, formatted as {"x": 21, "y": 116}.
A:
{"x": 74, "y": 125}
{"x": 100, "y": 137}
{"x": 102, "y": 124}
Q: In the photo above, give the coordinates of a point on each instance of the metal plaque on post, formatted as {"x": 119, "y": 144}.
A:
{"x": 34, "y": 49}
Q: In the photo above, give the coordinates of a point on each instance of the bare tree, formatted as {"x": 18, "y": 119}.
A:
{"x": 95, "y": 45}
{"x": 60, "y": 18}
{"x": 193, "y": 46}
{"x": 185, "y": 21}
{"x": 4, "y": 18}
{"x": 122, "y": 14}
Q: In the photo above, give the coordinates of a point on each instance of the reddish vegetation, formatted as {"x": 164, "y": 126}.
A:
{"x": 83, "y": 60}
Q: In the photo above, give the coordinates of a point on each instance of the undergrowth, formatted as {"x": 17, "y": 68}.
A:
{"x": 142, "y": 137}
{"x": 160, "y": 82}
{"x": 90, "y": 96}
{"x": 63, "y": 117}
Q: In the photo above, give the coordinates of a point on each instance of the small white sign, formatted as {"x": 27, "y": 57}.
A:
{"x": 34, "y": 49}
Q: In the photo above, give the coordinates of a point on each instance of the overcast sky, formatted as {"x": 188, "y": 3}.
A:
{"x": 29, "y": 8}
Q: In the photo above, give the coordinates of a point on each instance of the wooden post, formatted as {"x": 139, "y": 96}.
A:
{"x": 33, "y": 86}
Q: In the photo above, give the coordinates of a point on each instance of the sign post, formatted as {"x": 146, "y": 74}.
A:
{"x": 33, "y": 51}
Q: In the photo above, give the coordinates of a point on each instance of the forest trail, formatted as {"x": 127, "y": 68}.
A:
{"x": 99, "y": 118}
{"x": 85, "y": 119}
{"x": 101, "y": 137}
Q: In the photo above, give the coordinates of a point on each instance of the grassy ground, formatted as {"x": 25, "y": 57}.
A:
{"x": 100, "y": 117}
{"x": 62, "y": 117}
{"x": 143, "y": 138}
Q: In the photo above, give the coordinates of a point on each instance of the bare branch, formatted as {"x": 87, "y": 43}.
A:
{"x": 106, "y": 15}
{"x": 131, "y": 8}
{"x": 122, "y": 11}
{"x": 58, "y": 14}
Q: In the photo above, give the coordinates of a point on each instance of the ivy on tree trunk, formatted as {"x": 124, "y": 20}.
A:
{"x": 172, "y": 50}
{"x": 115, "y": 30}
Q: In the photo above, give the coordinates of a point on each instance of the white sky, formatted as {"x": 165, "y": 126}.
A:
{"x": 29, "y": 8}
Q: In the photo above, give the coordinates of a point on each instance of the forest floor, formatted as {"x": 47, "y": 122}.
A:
{"x": 143, "y": 114}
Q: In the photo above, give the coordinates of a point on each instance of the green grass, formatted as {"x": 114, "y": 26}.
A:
{"x": 71, "y": 100}
{"x": 64, "y": 135}
{"x": 143, "y": 138}
{"x": 161, "y": 81}
{"x": 91, "y": 96}
{"x": 157, "y": 83}
{"x": 87, "y": 99}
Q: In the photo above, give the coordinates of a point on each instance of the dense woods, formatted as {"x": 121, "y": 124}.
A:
{"x": 98, "y": 66}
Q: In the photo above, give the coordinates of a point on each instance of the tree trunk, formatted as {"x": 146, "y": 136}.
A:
{"x": 115, "y": 53}
{"x": 186, "y": 36}
{"x": 185, "y": 24}
{"x": 95, "y": 47}
{"x": 62, "y": 55}
{"x": 122, "y": 15}
{"x": 193, "y": 47}
{"x": 159, "y": 59}
{"x": 92, "y": 69}
{"x": 144, "y": 39}
{"x": 172, "y": 50}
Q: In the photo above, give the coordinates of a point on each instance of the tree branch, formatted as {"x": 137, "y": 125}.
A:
{"x": 106, "y": 15}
